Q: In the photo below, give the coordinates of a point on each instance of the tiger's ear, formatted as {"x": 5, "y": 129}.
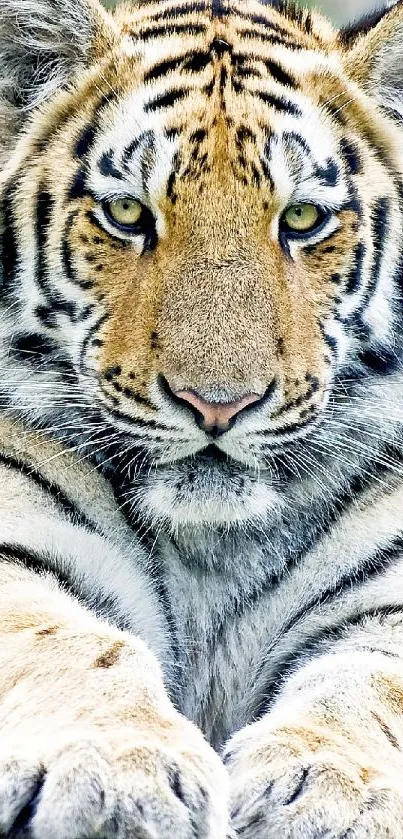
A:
{"x": 374, "y": 55}
{"x": 43, "y": 43}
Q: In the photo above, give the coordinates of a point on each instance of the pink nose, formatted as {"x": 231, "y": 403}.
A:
{"x": 215, "y": 417}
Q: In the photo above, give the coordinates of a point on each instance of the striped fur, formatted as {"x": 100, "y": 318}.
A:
{"x": 258, "y": 572}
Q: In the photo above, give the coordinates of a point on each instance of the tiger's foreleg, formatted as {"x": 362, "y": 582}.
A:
{"x": 90, "y": 744}
{"x": 327, "y": 760}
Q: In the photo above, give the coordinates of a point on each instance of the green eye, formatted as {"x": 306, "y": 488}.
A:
{"x": 302, "y": 218}
{"x": 125, "y": 212}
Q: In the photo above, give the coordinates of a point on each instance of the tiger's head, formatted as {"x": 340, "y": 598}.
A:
{"x": 202, "y": 216}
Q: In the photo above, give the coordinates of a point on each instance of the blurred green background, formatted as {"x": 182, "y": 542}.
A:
{"x": 341, "y": 11}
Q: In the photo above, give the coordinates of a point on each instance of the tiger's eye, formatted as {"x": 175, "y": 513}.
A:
{"x": 301, "y": 218}
{"x": 125, "y": 211}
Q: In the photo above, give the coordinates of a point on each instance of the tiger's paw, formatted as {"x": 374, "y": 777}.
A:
{"x": 298, "y": 782}
{"x": 114, "y": 785}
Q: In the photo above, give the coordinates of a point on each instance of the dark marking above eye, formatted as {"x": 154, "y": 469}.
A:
{"x": 107, "y": 166}
{"x": 329, "y": 173}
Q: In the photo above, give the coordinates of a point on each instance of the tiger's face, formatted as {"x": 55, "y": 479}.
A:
{"x": 205, "y": 215}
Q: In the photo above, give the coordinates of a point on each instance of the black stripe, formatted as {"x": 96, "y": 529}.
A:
{"x": 181, "y": 10}
{"x": 279, "y": 74}
{"x": 85, "y": 141}
{"x": 163, "y": 68}
{"x": 169, "y": 29}
{"x": 131, "y": 149}
{"x": 198, "y": 62}
{"x": 381, "y": 361}
{"x": 267, "y": 37}
{"x": 44, "y": 210}
{"x": 166, "y": 100}
{"x": 219, "y": 9}
{"x": 37, "y": 562}
{"x": 267, "y": 173}
{"x": 373, "y": 567}
{"x": 380, "y": 223}
{"x": 62, "y": 500}
{"x": 329, "y": 340}
{"x": 102, "y": 604}
{"x": 9, "y": 248}
{"x": 279, "y": 103}
{"x": 380, "y": 226}
{"x": 32, "y": 347}
{"x": 295, "y": 139}
{"x": 90, "y": 334}
{"x": 78, "y": 188}
{"x": 352, "y": 156}
{"x": 261, "y": 20}
{"x": 354, "y": 276}
{"x": 66, "y": 254}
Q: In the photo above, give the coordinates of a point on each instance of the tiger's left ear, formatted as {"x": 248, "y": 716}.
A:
{"x": 373, "y": 50}
{"x": 44, "y": 43}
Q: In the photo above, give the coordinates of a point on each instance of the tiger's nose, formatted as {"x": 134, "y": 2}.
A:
{"x": 215, "y": 417}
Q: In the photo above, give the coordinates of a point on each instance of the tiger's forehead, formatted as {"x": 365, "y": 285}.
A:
{"x": 226, "y": 105}
{"x": 228, "y": 90}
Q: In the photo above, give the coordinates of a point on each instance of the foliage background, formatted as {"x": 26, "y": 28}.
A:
{"x": 340, "y": 10}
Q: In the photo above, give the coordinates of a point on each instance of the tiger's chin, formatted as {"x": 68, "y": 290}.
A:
{"x": 196, "y": 492}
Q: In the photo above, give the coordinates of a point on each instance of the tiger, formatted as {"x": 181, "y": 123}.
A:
{"x": 201, "y": 403}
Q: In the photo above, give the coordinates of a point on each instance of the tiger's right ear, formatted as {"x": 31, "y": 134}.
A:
{"x": 373, "y": 53}
{"x": 43, "y": 43}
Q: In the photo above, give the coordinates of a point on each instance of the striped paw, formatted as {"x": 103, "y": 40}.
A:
{"x": 309, "y": 783}
{"x": 113, "y": 785}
